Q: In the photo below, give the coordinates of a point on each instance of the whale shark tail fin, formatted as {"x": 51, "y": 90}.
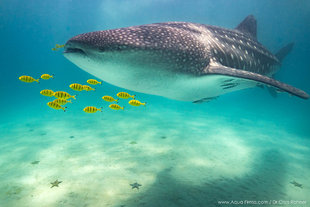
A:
{"x": 284, "y": 51}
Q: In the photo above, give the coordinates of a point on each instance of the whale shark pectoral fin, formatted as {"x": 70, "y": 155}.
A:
{"x": 218, "y": 69}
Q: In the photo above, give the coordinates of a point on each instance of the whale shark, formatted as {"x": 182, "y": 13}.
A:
{"x": 181, "y": 60}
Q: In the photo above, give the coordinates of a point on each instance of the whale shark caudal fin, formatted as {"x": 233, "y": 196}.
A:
{"x": 247, "y": 76}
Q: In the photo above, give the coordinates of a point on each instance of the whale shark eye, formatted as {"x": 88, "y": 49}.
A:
{"x": 102, "y": 50}
{"x": 119, "y": 47}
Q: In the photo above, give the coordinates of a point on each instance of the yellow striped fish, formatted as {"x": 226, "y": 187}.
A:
{"x": 88, "y": 88}
{"x": 46, "y": 76}
{"x": 56, "y": 106}
{"x": 59, "y": 46}
{"x": 27, "y": 79}
{"x": 91, "y": 109}
{"x": 116, "y": 107}
{"x": 125, "y": 95}
{"x": 136, "y": 103}
{"x": 61, "y": 101}
{"x": 76, "y": 87}
{"x": 54, "y": 49}
{"x": 109, "y": 99}
{"x": 47, "y": 92}
{"x": 63, "y": 95}
{"x": 93, "y": 81}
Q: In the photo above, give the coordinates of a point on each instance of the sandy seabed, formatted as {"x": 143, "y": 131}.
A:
{"x": 180, "y": 159}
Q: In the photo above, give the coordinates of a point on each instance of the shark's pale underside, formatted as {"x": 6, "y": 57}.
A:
{"x": 180, "y": 60}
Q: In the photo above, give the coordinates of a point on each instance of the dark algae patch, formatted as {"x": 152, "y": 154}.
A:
{"x": 296, "y": 184}
{"x": 13, "y": 190}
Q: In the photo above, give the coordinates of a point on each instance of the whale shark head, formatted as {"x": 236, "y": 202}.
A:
{"x": 106, "y": 54}
{"x": 105, "y": 48}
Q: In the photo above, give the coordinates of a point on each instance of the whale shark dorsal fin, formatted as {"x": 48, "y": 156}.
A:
{"x": 248, "y": 26}
{"x": 247, "y": 76}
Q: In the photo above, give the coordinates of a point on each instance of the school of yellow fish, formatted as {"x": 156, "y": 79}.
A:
{"x": 57, "y": 46}
{"x": 63, "y": 97}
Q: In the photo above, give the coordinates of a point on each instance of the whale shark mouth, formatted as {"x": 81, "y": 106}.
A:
{"x": 74, "y": 50}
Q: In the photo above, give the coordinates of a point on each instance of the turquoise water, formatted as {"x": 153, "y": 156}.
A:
{"x": 245, "y": 145}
